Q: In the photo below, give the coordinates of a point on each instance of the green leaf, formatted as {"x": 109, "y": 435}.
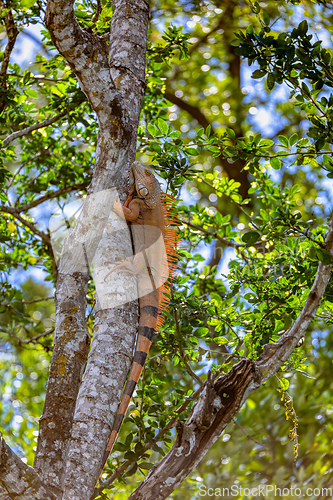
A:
{"x": 154, "y": 146}
{"x": 250, "y": 238}
{"x": 231, "y": 133}
{"x": 283, "y": 140}
{"x": 158, "y": 449}
{"x": 266, "y": 18}
{"x": 293, "y": 139}
{"x": 258, "y": 73}
{"x": 146, "y": 465}
{"x": 328, "y": 162}
{"x": 214, "y": 149}
{"x": 130, "y": 455}
{"x": 152, "y": 129}
{"x": 132, "y": 470}
{"x": 313, "y": 253}
{"x": 191, "y": 151}
{"x": 284, "y": 384}
{"x": 120, "y": 447}
{"x": 163, "y": 126}
{"x": 266, "y": 143}
{"x": 26, "y": 78}
{"x": 249, "y": 30}
{"x": 31, "y": 93}
{"x": 221, "y": 340}
{"x": 305, "y": 88}
{"x": 324, "y": 256}
{"x": 128, "y": 440}
{"x": 303, "y": 142}
{"x": 255, "y": 8}
{"x": 275, "y": 163}
{"x": 303, "y": 28}
{"x": 270, "y": 81}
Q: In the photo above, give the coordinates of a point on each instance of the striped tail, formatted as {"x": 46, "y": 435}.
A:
{"x": 148, "y": 316}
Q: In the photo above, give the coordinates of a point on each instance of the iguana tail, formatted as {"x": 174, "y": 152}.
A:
{"x": 148, "y": 316}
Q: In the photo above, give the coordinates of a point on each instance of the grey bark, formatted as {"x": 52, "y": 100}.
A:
{"x": 18, "y": 480}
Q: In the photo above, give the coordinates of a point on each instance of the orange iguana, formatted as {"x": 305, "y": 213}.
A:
{"x": 149, "y": 211}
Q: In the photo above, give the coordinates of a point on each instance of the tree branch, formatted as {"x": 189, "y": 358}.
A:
{"x": 218, "y": 403}
{"x": 44, "y": 237}
{"x": 19, "y": 480}
{"x": 214, "y": 234}
{"x": 33, "y": 340}
{"x": 12, "y": 33}
{"x": 35, "y": 126}
{"x": 42, "y": 199}
{"x": 127, "y": 55}
{"x": 87, "y": 55}
{"x": 115, "y": 327}
{"x": 192, "y": 110}
{"x": 97, "y": 13}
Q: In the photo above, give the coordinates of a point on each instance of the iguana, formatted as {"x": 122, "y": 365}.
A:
{"x": 155, "y": 240}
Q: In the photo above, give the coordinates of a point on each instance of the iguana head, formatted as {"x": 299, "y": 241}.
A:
{"x": 143, "y": 180}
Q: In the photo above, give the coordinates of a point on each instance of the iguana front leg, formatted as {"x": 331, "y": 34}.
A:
{"x": 130, "y": 212}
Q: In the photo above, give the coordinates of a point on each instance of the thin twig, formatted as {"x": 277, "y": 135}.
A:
{"x": 36, "y": 40}
{"x": 36, "y": 300}
{"x": 276, "y": 307}
{"x": 35, "y": 126}
{"x": 189, "y": 369}
{"x": 97, "y": 13}
{"x": 40, "y": 77}
{"x": 231, "y": 244}
{"x": 33, "y": 339}
{"x": 230, "y": 198}
{"x": 28, "y": 224}
{"x": 49, "y": 196}
{"x": 248, "y": 435}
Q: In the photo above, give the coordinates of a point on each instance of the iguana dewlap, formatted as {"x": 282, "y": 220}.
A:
{"x": 147, "y": 208}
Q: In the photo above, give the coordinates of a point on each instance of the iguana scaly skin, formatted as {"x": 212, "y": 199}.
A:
{"x": 155, "y": 241}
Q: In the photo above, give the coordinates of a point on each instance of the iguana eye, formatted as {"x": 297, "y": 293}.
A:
{"x": 147, "y": 172}
{"x": 143, "y": 192}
